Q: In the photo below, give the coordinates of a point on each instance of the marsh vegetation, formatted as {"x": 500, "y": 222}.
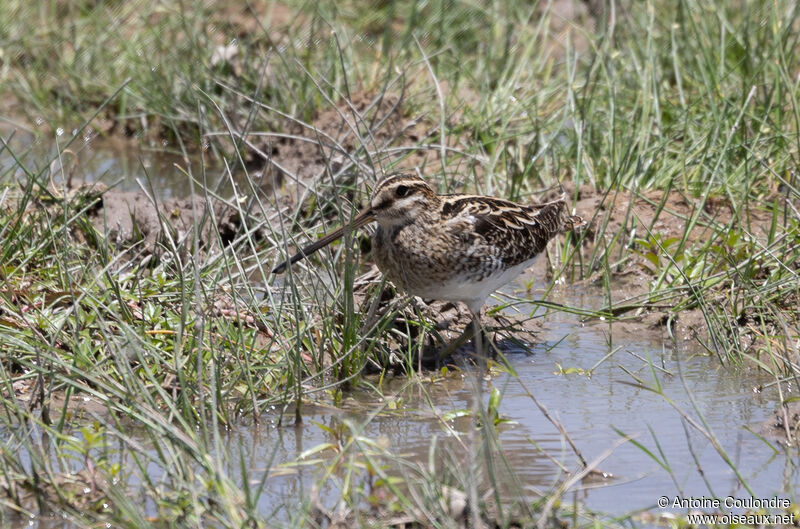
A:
{"x": 153, "y": 373}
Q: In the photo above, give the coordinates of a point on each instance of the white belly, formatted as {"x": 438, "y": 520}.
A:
{"x": 472, "y": 293}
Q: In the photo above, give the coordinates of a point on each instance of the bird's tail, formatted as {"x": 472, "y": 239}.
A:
{"x": 574, "y": 223}
{"x": 553, "y": 217}
{"x": 569, "y": 222}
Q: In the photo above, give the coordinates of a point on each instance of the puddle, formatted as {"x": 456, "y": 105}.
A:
{"x": 125, "y": 163}
{"x": 591, "y": 409}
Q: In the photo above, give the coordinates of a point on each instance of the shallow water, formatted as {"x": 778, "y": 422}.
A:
{"x": 126, "y": 164}
{"x": 591, "y": 410}
{"x": 595, "y": 410}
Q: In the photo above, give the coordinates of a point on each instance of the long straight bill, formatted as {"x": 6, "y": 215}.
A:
{"x": 362, "y": 218}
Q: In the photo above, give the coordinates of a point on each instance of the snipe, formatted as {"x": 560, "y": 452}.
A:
{"x": 451, "y": 247}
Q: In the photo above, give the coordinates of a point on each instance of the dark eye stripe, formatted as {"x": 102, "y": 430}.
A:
{"x": 383, "y": 204}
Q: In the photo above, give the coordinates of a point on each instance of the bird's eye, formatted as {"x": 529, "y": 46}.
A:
{"x": 401, "y": 191}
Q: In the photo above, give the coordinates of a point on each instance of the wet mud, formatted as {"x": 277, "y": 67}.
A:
{"x": 783, "y": 425}
{"x": 148, "y": 225}
{"x": 332, "y": 147}
{"x": 637, "y": 230}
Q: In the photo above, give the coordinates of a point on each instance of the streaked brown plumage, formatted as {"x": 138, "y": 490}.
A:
{"x": 451, "y": 247}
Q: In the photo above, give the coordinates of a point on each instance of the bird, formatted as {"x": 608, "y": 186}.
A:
{"x": 456, "y": 247}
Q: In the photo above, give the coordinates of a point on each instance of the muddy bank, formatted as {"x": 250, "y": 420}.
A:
{"x": 135, "y": 220}
{"x": 132, "y": 217}
{"x": 361, "y": 137}
{"x": 783, "y": 425}
{"x": 670, "y": 259}
{"x": 674, "y": 259}
{"x": 638, "y": 235}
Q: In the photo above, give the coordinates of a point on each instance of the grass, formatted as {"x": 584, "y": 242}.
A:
{"x": 678, "y": 100}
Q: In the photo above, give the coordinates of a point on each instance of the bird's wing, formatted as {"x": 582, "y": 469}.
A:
{"x": 519, "y": 232}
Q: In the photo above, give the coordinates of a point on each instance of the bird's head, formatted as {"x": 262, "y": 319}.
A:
{"x": 399, "y": 199}
{"x": 396, "y": 200}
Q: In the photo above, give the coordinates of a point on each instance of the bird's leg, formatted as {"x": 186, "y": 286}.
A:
{"x": 474, "y": 331}
{"x": 458, "y": 342}
{"x": 477, "y": 334}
